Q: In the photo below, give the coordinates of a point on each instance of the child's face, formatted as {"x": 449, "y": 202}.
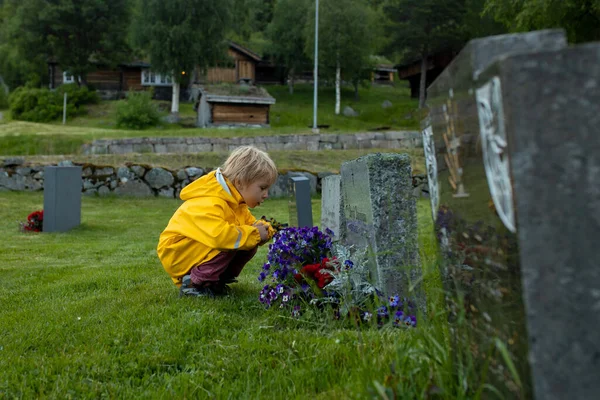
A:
{"x": 254, "y": 193}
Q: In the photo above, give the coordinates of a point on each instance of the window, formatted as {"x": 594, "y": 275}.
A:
{"x": 150, "y": 78}
{"x": 68, "y": 78}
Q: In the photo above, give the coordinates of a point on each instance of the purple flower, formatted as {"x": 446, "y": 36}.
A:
{"x": 348, "y": 264}
{"x": 262, "y": 277}
{"x": 410, "y": 320}
{"x": 398, "y": 318}
{"x": 394, "y": 301}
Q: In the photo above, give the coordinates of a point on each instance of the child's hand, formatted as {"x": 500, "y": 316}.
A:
{"x": 263, "y": 230}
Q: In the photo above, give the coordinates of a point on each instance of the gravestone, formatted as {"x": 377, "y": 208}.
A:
{"x": 62, "y": 198}
{"x": 511, "y": 158}
{"x": 381, "y": 217}
{"x": 300, "y": 207}
{"x": 539, "y": 115}
{"x": 332, "y": 205}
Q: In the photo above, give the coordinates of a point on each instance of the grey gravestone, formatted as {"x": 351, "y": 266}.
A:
{"x": 332, "y": 205}
{"x": 62, "y": 198}
{"x": 300, "y": 206}
{"x": 472, "y": 199}
{"x": 381, "y": 217}
{"x": 544, "y": 107}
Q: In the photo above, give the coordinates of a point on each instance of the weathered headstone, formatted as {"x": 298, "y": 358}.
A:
{"x": 300, "y": 206}
{"x": 511, "y": 150}
{"x": 539, "y": 117}
{"x": 381, "y": 217}
{"x": 332, "y": 205}
{"x": 62, "y": 198}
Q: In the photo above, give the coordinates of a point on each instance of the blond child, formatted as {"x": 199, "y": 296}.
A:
{"x": 213, "y": 235}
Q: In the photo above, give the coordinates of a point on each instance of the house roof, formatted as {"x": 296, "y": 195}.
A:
{"x": 245, "y": 51}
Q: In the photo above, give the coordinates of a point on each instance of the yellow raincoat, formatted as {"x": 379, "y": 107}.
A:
{"x": 212, "y": 219}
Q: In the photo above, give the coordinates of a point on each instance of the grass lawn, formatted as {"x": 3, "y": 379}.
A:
{"x": 91, "y": 313}
{"x": 292, "y": 114}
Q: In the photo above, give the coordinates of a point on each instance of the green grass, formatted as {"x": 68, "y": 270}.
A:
{"x": 91, "y": 313}
{"x": 290, "y": 115}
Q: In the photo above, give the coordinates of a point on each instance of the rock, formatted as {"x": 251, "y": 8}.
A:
{"x": 386, "y": 104}
{"x": 194, "y": 172}
{"x": 134, "y": 188}
{"x": 66, "y": 163}
{"x": 171, "y": 119}
{"x": 182, "y": 175}
{"x": 349, "y": 112}
{"x": 159, "y": 177}
{"x": 138, "y": 170}
{"x": 13, "y": 162}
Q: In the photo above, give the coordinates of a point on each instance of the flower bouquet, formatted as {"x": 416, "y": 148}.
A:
{"x": 305, "y": 269}
{"x": 34, "y": 223}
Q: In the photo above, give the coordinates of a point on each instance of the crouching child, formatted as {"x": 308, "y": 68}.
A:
{"x": 213, "y": 235}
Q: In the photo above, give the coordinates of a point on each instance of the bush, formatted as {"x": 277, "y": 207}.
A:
{"x": 78, "y": 96}
{"x": 137, "y": 112}
{"x": 37, "y": 105}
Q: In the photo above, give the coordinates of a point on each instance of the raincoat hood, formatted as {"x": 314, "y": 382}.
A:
{"x": 213, "y": 184}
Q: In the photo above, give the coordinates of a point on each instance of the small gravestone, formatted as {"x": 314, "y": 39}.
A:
{"x": 1, "y": 115}
{"x": 62, "y": 198}
{"x": 300, "y": 207}
{"x": 332, "y": 205}
{"x": 381, "y": 217}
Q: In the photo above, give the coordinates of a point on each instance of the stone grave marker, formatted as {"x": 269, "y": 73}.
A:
{"x": 511, "y": 149}
{"x": 62, "y": 198}
{"x": 332, "y": 205}
{"x": 300, "y": 207}
{"x": 539, "y": 118}
{"x": 380, "y": 216}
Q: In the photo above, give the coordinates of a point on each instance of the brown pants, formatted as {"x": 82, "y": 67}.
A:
{"x": 225, "y": 267}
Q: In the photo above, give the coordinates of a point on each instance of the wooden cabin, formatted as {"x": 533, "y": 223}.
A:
{"x": 233, "y": 105}
{"x": 112, "y": 83}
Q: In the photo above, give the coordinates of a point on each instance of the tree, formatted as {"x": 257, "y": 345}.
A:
{"x": 287, "y": 36}
{"x": 84, "y": 33}
{"x": 346, "y": 33}
{"x": 78, "y": 34}
{"x": 23, "y": 52}
{"x": 420, "y": 27}
{"x": 580, "y": 18}
{"x": 179, "y": 35}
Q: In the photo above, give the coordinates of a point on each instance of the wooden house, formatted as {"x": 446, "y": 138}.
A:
{"x": 138, "y": 75}
{"x": 233, "y": 105}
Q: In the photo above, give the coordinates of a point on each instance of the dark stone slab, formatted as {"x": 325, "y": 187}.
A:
{"x": 550, "y": 114}
{"x": 472, "y": 205}
{"x": 300, "y": 206}
{"x": 62, "y": 198}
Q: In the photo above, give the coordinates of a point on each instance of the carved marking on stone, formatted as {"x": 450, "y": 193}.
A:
{"x": 493, "y": 141}
{"x": 432, "y": 171}
{"x": 453, "y": 148}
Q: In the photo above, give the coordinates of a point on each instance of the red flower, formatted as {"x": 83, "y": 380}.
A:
{"x": 35, "y": 222}
{"x": 316, "y": 273}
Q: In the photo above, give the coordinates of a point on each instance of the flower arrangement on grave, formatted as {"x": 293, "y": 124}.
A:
{"x": 304, "y": 269}
{"x": 34, "y": 223}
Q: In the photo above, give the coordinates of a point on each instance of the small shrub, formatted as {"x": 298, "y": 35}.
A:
{"x": 78, "y": 96}
{"x": 137, "y": 112}
{"x": 37, "y": 105}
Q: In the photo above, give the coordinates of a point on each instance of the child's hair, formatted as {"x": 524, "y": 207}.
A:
{"x": 247, "y": 164}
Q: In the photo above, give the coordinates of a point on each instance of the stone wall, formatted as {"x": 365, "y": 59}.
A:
{"x": 368, "y": 140}
{"x": 139, "y": 180}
